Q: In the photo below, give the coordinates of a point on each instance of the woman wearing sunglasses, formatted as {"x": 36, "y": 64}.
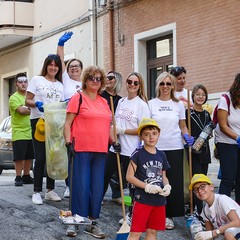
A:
{"x": 87, "y": 134}
{"x": 112, "y": 88}
{"x": 169, "y": 113}
{"x": 129, "y": 113}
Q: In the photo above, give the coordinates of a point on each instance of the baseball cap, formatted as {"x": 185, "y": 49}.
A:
{"x": 147, "y": 122}
{"x": 199, "y": 178}
{"x": 40, "y": 130}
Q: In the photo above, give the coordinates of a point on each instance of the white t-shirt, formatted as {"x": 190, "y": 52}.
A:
{"x": 233, "y": 121}
{"x": 167, "y": 114}
{"x": 129, "y": 113}
{"x": 70, "y": 86}
{"x": 217, "y": 213}
{"x": 45, "y": 91}
{"x": 183, "y": 96}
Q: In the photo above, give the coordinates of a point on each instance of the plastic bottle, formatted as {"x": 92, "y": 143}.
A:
{"x": 195, "y": 227}
{"x": 203, "y": 136}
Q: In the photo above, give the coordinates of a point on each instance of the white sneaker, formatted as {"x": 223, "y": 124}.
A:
{"x": 169, "y": 224}
{"x": 37, "y": 199}
{"x": 52, "y": 196}
{"x": 66, "y": 193}
{"x": 128, "y": 219}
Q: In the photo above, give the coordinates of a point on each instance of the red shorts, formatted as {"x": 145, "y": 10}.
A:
{"x": 148, "y": 217}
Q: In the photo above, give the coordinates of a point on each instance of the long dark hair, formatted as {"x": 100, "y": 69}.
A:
{"x": 57, "y": 61}
{"x": 235, "y": 91}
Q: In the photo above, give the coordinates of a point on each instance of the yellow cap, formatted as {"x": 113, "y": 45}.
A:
{"x": 147, "y": 122}
{"x": 40, "y": 130}
{"x": 199, "y": 178}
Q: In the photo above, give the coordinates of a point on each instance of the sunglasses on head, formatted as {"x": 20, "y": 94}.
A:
{"x": 95, "y": 79}
{"x": 165, "y": 84}
{"x": 22, "y": 80}
{"x": 110, "y": 77}
{"x": 130, "y": 82}
{"x": 177, "y": 70}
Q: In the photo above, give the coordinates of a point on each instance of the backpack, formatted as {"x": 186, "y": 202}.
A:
{"x": 215, "y": 118}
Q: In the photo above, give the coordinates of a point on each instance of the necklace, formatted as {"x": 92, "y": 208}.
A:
{"x": 196, "y": 116}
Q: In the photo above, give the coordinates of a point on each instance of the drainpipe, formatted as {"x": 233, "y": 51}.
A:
{"x": 93, "y": 30}
{"x": 111, "y": 36}
{"x": 14, "y": 15}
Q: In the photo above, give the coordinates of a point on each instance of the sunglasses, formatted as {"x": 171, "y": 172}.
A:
{"x": 22, "y": 80}
{"x": 74, "y": 66}
{"x": 110, "y": 77}
{"x": 201, "y": 187}
{"x": 130, "y": 82}
{"x": 95, "y": 79}
{"x": 165, "y": 84}
{"x": 54, "y": 56}
{"x": 177, "y": 70}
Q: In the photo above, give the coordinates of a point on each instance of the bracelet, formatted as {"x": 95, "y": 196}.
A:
{"x": 67, "y": 143}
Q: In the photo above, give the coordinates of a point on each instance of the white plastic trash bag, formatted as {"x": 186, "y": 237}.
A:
{"x": 56, "y": 152}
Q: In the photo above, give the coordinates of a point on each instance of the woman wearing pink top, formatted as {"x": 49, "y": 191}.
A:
{"x": 87, "y": 133}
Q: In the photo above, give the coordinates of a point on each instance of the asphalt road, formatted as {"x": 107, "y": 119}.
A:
{"x": 20, "y": 219}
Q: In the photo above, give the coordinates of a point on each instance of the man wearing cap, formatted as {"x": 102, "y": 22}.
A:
{"x": 220, "y": 213}
{"x": 23, "y": 152}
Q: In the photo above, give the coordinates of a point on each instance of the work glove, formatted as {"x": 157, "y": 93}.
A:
{"x": 39, "y": 105}
{"x": 153, "y": 189}
{"x": 64, "y": 38}
{"x": 188, "y": 139}
{"x": 70, "y": 151}
{"x": 166, "y": 190}
{"x": 120, "y": 130}
{"x": 117, "y": 147}
{"x": 205, "y": 235}
{"x": 238, "y": 141}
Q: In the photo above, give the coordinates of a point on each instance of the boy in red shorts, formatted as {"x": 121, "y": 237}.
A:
{"x": 147, "y": 172}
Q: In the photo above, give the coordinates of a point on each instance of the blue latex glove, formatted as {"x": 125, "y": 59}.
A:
{"x": 39, "y": 105}
{"x": 188, "y": 139}
{"x": 238, "y": 141}
{"x": 64, "y": 38}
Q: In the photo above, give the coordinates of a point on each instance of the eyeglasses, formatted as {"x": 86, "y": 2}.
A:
{"x": 22, "y": 80}
{"x": 201, "y": 187}
{"x": 93, "y": 79}
{"x": 110, "y": 77}
{"x": 74, "y": 66}
{"x": 165, "y": 84}
{"x": 130, "y": 82}
{"x": 200, "y": 95}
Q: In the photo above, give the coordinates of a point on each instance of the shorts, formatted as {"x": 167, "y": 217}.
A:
{"x": 234, "y": 231}
{"x": 148, "y": 217}
{"x": 23, "y": 150}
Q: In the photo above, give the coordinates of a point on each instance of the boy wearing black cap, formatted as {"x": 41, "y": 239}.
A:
{"x": 147, "y": 172}
{"x": 221, "y": 213}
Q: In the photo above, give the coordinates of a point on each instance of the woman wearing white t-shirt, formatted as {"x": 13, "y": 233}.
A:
{"x": 169, "y": 113}
{"x": 71, "y": 78}
{"x": 129, "y": 113}
{"x": 227, "y": 138}
{"x": 41, "y": 90}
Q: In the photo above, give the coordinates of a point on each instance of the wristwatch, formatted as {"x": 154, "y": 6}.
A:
{"x": 218, "y": 232}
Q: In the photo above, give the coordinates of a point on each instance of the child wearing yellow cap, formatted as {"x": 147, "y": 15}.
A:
{"x": 147, "y": 172}
{"x": 220, "y": 213}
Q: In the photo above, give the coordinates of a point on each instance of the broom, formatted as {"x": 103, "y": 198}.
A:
{"x": 123, "y": 232}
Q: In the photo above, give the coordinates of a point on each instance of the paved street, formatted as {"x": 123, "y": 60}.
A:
{"x": 20, "y": 219}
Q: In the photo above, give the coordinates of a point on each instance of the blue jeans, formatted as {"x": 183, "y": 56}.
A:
{"x": 87, "y": 183}
{"x": 229, "y": 156}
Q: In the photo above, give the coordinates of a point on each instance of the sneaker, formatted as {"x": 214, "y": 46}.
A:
{"x": 169, "y": 224}
{"x": 66, "y": 193}
{"x": 37, "y": 199}
{"x": 18, "y": 181}
{"x": 72, "y": 230}
{"x": 117, "y": 200}
{"x": 27, "y": 179}
{"x": 128, "y": 219}
{"x": 52, "y": 196}
{"x": 94, "y": 230}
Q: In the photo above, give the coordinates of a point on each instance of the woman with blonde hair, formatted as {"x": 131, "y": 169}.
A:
{"x": 169, "y": 113}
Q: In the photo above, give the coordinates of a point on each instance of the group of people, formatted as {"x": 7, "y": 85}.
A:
{"x": 151, "y": 140}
